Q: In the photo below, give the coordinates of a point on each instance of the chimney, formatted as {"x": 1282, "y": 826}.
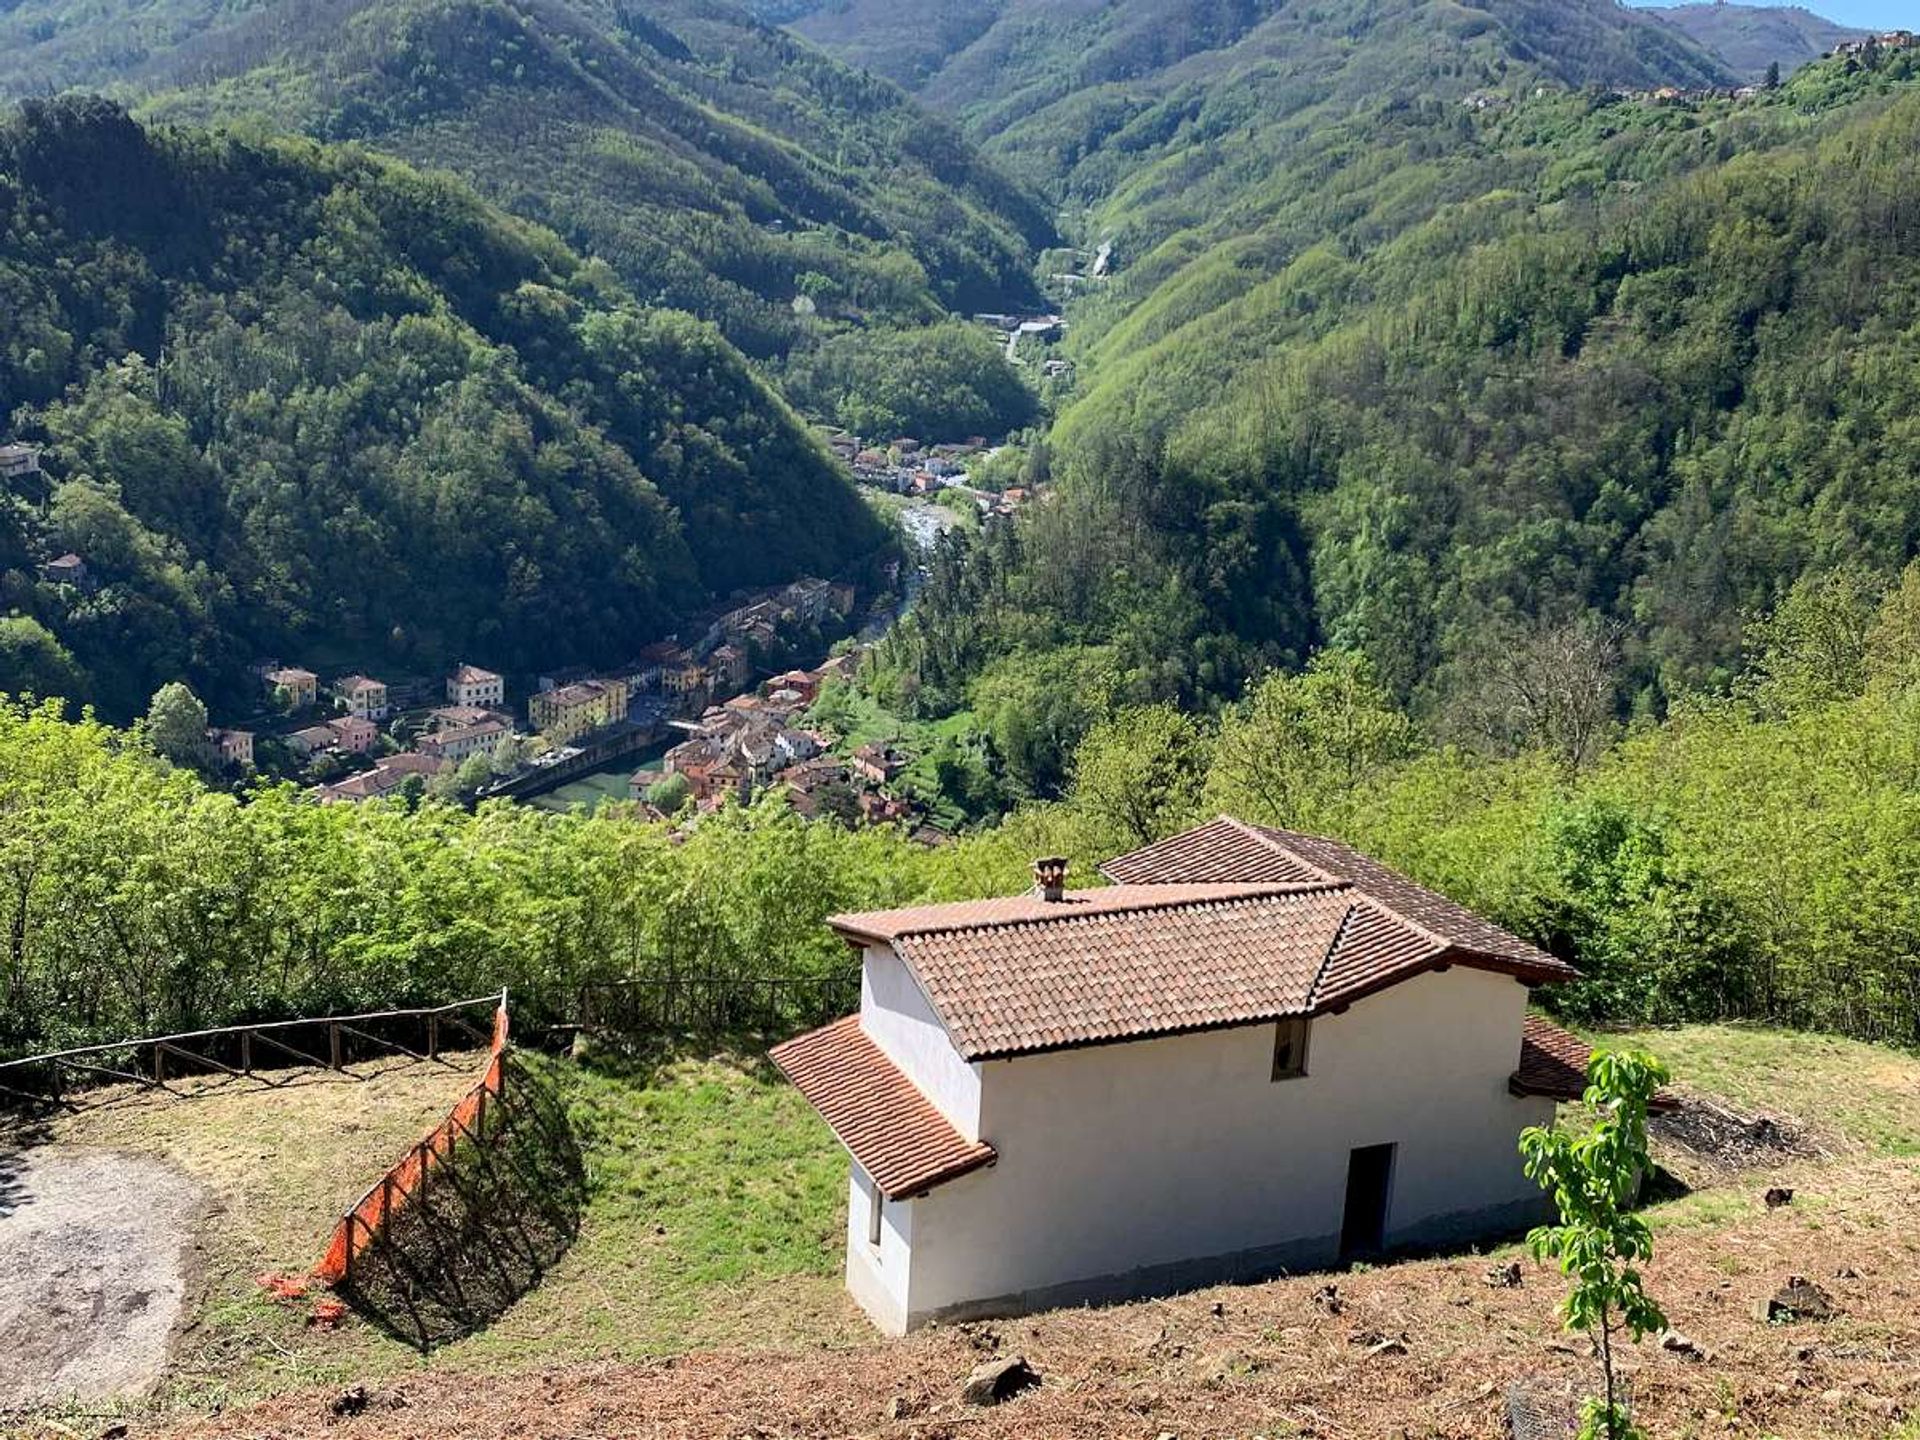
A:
{"x": 1050, "y": 878}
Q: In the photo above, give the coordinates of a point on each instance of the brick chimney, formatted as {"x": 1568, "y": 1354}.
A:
{"x": 1050, "y": 878}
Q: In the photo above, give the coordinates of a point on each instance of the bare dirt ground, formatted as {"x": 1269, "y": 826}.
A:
{"x": 97, "y": 1260}
{"x": 113, "y": 1217}
{"x": 1418, "y": 1349}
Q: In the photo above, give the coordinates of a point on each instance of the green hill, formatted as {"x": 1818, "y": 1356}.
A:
{"x": 303, "y": 396}
{"x": 721, "y": 166}
{"x": 1576, "y": 375}
{"x": 1080, "y": 95}
{"x": 1750, "y": 38}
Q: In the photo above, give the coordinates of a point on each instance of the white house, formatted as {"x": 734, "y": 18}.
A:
{"x": 469, "y": 685}
{"x": 1256, "y": 1051}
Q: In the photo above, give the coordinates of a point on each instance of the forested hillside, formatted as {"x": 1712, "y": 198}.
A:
{"x": 301, "y": 396}
{"x": 1084, "y": 98}
{"x": 720, "y": 166}
{"x": 1570, "y": 381}
{"x": 1750, "y": 38}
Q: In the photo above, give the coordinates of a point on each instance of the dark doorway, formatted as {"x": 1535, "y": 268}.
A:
{"x": 1363, "y": 1232}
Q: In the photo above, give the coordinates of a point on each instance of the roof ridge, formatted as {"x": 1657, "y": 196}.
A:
{"x": 1264, "y": 835}
{"x": 1250, "y": 892}
{"x": 1426, "y": 932}
{"x": 1333, "y": 948}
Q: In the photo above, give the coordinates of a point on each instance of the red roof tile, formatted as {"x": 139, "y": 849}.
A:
{"x": 893, "y": 1130}
{"x": 1014, "y": 909}
{"x": 1553, "y": 1064}
{"x": 1227, "y": 850}
{"x": 1103, "y": 973}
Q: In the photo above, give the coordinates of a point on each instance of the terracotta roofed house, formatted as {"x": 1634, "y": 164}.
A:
{"x": 470, "y": 687}
{"x": 1257, "y": 1051}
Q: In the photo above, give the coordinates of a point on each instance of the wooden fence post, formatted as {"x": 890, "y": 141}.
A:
{"x": 159, "y": 1065}
{"x": 333, "y": 1046}
{"x": 246, "y": 1052}
{"x": 433, "y": 1037}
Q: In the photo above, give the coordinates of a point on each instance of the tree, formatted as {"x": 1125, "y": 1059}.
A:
{"x": 510, "y": 754}
{"x": 669, "y": 793}
{"x": 1139, "y": 773}
{"x": 1548, "y": 687}
{"x": 1813, "y": 647}
{"x": 1773, "y": 75}
{"x": 177, "y": 725}
{"x": 1299, "y": 743}
{"x": 1594, "y": 1180}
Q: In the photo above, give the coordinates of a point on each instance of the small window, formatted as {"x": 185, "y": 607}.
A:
{"x": 1290, "y": 1049}
{"x": 874, "y": 1202}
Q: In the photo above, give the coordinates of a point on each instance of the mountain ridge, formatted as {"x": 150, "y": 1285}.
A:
{"x": 720, "y": 165}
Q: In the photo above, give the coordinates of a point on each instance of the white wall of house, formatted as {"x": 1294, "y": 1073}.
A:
{"x": 895, "y": 1015}
{"x": 877, "y": 1275}
{"x": 1123, "y": 1165}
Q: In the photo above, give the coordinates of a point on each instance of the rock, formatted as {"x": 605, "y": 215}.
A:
{"x": 1327, "y": 1297}
{"x": 1505, "y": 1277}
{"x": 1681, "y": 1345}
{"x": 998, "y": 1380}
{"x": 1798, "y": 1299}
{"x": 350, "y": 1401}
{"x": 1777, "y": 1196}
{"x": 1217, "y": 1309}
{"x": 899, "y": 1408}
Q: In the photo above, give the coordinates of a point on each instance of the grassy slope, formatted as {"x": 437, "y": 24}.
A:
{"x": 716, "y": 1218}
{"x": 717, "y": 1205}
{"x": 747, "y": 1187}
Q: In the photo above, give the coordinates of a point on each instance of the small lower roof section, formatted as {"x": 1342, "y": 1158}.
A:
{"x": 1553, "y": 1064}
{"x": 881, "y": 1116}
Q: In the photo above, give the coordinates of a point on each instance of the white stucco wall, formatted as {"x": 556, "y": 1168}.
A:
{"x": 877, "y": 1275}
{"x": 1119, "y": 1158}
{"x": 895, "y": 1015}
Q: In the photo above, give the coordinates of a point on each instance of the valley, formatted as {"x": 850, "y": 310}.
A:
{"x": 1163, "y": 554}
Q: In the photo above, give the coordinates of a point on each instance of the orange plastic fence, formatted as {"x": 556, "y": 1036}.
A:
{"x": 363, "y": 1223}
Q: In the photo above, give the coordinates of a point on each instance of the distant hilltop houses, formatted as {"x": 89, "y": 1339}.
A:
{"x": 1864, "y": 48}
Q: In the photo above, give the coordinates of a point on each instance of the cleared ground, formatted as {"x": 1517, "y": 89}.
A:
{"x": 97, "y": 1259}
{"x": 703, "y": 1299}
{"x": 251, "y": 1178}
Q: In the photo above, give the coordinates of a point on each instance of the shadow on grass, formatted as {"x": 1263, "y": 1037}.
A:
{"x": 488, "y": 1223}
{"x": 638, "y": 1059}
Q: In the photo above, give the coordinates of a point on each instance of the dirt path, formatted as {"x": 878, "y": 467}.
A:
{"x": 96, "y": 1261}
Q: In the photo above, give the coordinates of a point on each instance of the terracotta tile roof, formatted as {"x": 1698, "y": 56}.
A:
{"x": 1225, "y": 925}
{"x": 1105, "y": 972}
{"x": 892, "y": 1129}
{"x": 1014, "y": 909}
{"x": 1554, "y": 1064}
{"x": 1227, "y": 849}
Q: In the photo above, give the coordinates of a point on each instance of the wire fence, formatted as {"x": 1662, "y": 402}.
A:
{"x": 265, "y": 1053}
{"x": 773, "y": 1005}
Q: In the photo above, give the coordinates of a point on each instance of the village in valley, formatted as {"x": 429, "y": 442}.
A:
{"x": 729, "y": 734}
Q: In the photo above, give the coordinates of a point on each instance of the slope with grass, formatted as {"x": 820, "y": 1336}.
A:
{"x": 720, "y": 166}
{"x": 716, "y": 1225}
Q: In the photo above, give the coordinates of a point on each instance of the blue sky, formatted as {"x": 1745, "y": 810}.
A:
{"x": 1880, "y": 14}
